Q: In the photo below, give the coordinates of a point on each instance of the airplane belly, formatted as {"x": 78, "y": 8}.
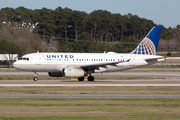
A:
{"x": 38, "y": 68}
{"x": 45, "y": 68}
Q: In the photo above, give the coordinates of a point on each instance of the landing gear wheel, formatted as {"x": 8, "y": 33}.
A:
{"x": 81, "y": 79}
{"x": 35, "y": 78}
{"x": 90, "y": 78}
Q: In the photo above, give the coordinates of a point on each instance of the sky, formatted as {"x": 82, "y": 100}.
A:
{"x": 161, "y": 12}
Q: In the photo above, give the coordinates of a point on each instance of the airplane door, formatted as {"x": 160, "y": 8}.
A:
{"x": 38, "y": 60}
{"x": 132, "y": 61}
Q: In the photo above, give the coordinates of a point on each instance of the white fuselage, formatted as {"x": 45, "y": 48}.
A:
{"x": 56, "y": 62}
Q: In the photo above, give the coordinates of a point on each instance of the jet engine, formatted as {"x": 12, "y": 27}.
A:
{"x": 55, "y": 74}
{"x": 74, "y": 72}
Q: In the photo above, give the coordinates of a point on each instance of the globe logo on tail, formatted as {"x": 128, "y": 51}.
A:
{"x": 146, "y": 47}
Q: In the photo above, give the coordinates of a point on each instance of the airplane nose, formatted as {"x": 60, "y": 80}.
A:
{"x": 18, "y": 65}
{"x": 15, "y": 65}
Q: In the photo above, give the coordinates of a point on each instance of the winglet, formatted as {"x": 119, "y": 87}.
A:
{"x": 149, "y": 44}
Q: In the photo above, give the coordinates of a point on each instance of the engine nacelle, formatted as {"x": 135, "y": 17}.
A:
{"x": 74, "y": 72}
{"x": 55, "y": 74}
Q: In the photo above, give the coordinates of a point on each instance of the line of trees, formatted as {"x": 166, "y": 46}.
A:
{"x": 63, "y": 29}
{"x": 99, "y": 25}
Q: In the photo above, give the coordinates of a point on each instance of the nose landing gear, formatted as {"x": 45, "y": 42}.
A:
{"x": 35, "y": 78}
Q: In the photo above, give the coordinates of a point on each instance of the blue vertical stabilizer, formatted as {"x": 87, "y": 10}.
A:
{"x": 149, "y": 44}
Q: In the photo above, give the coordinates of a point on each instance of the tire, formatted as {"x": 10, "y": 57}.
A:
{"x": 90, "y": 78}
{"x": 35, "y": 79}
{"x": 81, "y": 79}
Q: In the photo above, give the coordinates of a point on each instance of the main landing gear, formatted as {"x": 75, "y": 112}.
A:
{"x": 81, "y": 79}
{"x": 90, "y": 78}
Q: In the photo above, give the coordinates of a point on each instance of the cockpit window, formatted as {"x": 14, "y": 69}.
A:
{"x": 24, "y": 58}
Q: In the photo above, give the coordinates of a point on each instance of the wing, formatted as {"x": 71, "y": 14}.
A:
{"x": 97, "y": 65}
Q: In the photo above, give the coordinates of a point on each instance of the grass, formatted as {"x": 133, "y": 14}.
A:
{"x": 61, "y": 118}
{"x": 160, "y": 70}
{"x": 4, "y": 66}
{"x": 162, "y": 66}
{"x": 45, "y": 108}
{"x": 89, "y": 90}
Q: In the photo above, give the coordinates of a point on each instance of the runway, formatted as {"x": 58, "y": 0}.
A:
{"x": 164, "y": 79}
{"x": 70, "y": 83}
{"x": 88, "y": 85}
{"x": 117, "y": 74}
{"x": 170, "y": 79}
{"x": 107, "y": 96}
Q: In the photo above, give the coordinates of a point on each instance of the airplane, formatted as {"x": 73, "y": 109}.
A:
{"x": 79, "y": 65}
